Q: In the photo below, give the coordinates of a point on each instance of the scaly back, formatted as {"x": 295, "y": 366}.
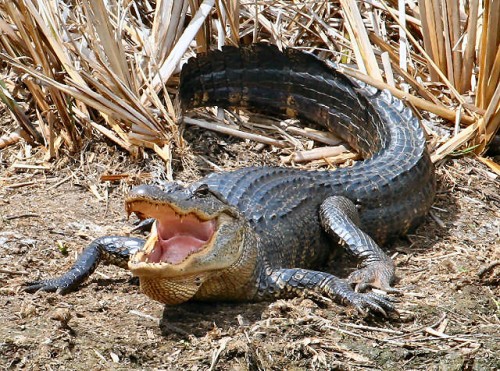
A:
{"x": 394, "y": 186}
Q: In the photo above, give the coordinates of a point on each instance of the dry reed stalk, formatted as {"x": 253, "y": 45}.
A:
{"x": 360, "y": 41}
{"x": 403, "y": 43}
{"x": 171, "y": 62}
{"x": 416, "y": 21}
{"x": 166, "y": 155}
{"x": 235, "y": 132}
{"x": 460, "y": 46}
{"x": 470, "y": 46}
{"x": 491, "y": 122}
{"x": 110, "y": 49}
{"x": 19, "y": 115}
{"x": 465, "y": 136}
{"x": 455, "y": 35}
{"x": 394, "y": 57}
{"x": 447, "y": 43}
{"x": 487, "y": 52}
{"x": 316, "y": 154}
{"x": 490, "y": 163}
{"x": 488, "y": 90}
{"x": 429, "y": 33}
{"x": 45, "y": 31}
{"x": 386, "y": 63}
{"x": 115, "y": 65}
{"x": 437, "y": 21}
{"x": 433, "y": 63}
{"x": 232, "y": 14}
{"x": 167, "y": 26}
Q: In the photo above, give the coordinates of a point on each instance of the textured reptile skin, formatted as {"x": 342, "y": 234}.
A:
{"x": 108, "y": 249}
{"x": 290, "y": 219}
{"x": 393, "y": 188}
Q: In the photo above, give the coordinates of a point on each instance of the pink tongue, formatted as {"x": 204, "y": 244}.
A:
{"x": 175, "y": 249}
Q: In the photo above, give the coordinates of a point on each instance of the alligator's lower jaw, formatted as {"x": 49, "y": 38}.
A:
{"x": 164, "y": 281}
{"x": 171, "y": 291}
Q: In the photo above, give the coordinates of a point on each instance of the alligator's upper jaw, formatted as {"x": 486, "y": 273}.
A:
{"x": 176, "y": 236}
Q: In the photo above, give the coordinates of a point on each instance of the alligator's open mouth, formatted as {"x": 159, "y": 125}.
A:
{"x": 179, "y": 236}
{"x": 176, "y": 236}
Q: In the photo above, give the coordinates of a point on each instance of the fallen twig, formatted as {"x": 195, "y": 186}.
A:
{"x": 235, "y": 132}
{"x": 216, "y": 354}
{"x": 318, "y": 136}
{"x": 19, "y": 216}
{"x": 8, "y": 271}
{"x": 10, "y": 139}
{"x": 487, "y": 268}
{"x": 60, "y": 182}
{"x": 22, "y": 184}
{"x": 317, "y": 154}
{"x": 371, "y": 328}
{"x": 144, "y": 315}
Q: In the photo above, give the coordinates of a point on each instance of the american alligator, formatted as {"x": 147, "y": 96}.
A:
{"x": 257, "y": 233}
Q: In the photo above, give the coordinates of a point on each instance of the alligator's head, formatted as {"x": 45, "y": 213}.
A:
{"x": 195, "y": 235}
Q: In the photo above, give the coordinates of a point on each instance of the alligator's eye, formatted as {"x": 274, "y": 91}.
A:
{"x": 202, "y": 191}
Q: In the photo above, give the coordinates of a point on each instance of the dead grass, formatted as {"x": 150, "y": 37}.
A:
{"x": 82, "y": 67}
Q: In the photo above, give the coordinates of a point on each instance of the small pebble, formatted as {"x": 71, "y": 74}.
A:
{"x": 63, "y": 315}
{"x": 27, "y": 310}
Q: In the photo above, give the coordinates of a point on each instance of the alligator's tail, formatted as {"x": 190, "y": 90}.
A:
{"x": 291, "y": 83}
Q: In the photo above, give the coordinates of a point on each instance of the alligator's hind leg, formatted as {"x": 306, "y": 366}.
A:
{"x": 108, "y": 250}
{"x": 339, "y": 218}
{"x": 289, "y": 282}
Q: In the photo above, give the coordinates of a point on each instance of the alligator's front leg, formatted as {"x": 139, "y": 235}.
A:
{"x": 339, "y": 218}
{"x": 108, "y": 250}
{"x": 290, "y": 282}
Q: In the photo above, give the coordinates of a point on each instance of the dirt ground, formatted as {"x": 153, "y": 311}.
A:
{"x": 448, "y": 316}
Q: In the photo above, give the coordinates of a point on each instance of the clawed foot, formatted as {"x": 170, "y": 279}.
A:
{"x": 364, "y": 303}
{"x": 371, "y": 302}
{"x": 379, "y": 275}
{"x": 50, "y": 285}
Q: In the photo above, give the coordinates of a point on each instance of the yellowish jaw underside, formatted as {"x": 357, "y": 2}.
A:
{"x": 162, "y": 265}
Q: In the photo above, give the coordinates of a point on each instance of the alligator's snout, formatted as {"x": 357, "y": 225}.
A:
{"x": 192, "y": 236}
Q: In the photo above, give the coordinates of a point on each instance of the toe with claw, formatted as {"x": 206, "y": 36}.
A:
{"x": 379, "y": 275}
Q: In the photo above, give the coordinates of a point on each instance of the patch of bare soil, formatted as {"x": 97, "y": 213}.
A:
{"x": 449, "y": 312}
